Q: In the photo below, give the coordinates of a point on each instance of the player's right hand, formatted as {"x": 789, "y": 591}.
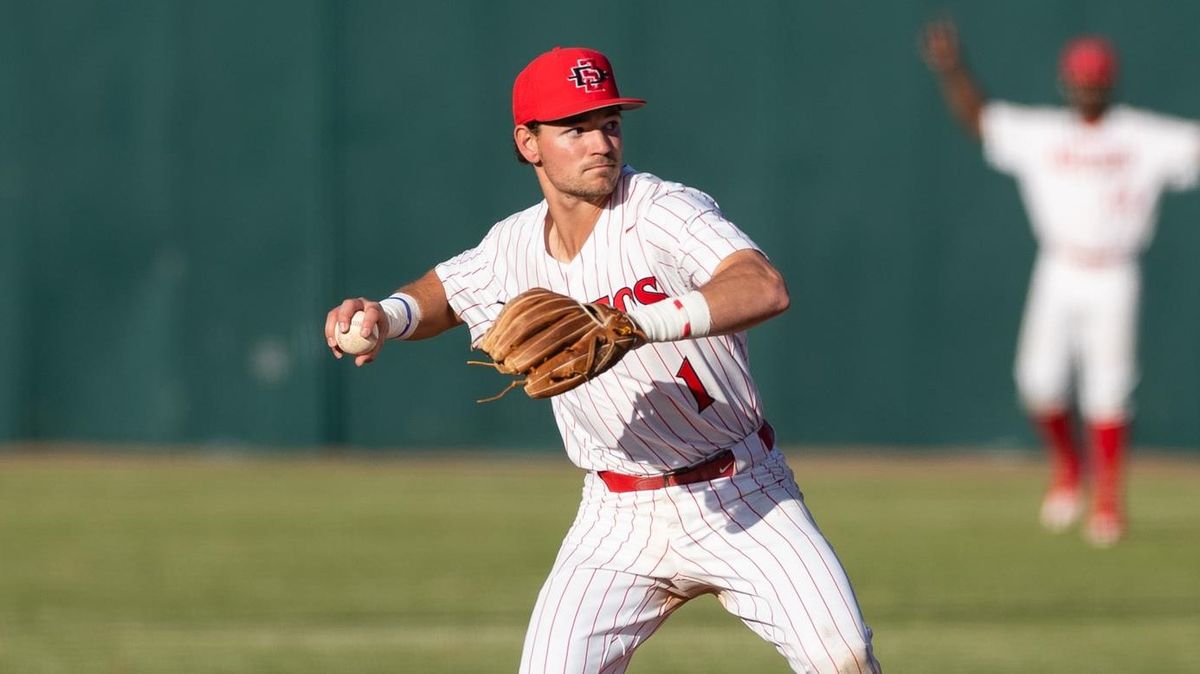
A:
{"x": 939, "y": 45}
{"x": 338, "y": 320}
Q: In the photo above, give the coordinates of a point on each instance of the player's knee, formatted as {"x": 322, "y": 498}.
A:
{"x": 1040, "y": 388}
{"x": 1106, "y": 395}
{"x": 1106, "y": 410}
{"x": 1039, "y": 401}
{"x": 1105, "y": 403}
{"x": 858, "y": 659}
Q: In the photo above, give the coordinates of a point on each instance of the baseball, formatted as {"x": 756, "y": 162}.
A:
{"x": 352, "y": 342}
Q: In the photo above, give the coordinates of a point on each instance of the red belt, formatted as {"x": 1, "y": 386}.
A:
{"x": 1091, "y": 259}
{"x": 721, "y": 465}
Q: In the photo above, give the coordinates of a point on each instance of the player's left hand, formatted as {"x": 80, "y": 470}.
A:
{"x": 556, "y": 342}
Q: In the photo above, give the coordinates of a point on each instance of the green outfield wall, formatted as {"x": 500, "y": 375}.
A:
{"x": 186, "y": 187}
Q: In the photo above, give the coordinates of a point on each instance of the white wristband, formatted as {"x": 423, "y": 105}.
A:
{"x": 403, "y": 314}
{"x": 683, "y": 317}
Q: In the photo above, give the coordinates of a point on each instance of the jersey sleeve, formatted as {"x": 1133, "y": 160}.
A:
{"x": 697, "y": 234}
{"x": 472, "y": 286}
{"x": 1181, "y": 156}
{"x": 1006, "y": 130}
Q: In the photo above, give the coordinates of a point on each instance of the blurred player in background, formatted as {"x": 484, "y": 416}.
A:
{"x": 685, "y": 493}
{"x": 1090, "y": 176}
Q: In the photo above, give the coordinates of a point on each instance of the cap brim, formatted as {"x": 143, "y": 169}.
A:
{"x": 575, "y": 111}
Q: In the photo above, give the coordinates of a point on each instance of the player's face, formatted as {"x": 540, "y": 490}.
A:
{"x": 581, "y": 156}
{"x": 1089, "y": 101}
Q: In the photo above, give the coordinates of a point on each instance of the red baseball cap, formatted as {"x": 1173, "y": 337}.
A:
{"x": 564, "y": 82}
{"x": 1089, "y": 61}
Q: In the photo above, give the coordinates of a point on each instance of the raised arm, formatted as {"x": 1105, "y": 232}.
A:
{"x": 964, "y": 98}
{"x": 745, "y": 291}
{"x": 425, "y": 305}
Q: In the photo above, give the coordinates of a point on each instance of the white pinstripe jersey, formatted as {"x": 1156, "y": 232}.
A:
{"x": 1092, "y": 188}
{"x": 665, "y": 405}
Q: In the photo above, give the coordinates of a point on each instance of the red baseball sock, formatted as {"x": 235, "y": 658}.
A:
{"x": 1056, "y": 432}
{"x": 1108, "y": 454}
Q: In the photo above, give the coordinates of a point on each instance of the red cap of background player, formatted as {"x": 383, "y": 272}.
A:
{"x": 1089, "y": 61}
{"x": 565, "y": 82}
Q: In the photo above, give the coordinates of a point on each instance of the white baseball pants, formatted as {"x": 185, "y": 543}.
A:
{"x": 630, "y": 559}
{"x": 1080, "y": 316}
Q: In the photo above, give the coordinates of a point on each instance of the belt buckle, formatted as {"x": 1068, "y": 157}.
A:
{"x": 687, "y": 469}
{"x": 666, "y": 477}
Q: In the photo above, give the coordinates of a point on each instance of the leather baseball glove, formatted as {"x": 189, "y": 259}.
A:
{"x": 556, "y": 343}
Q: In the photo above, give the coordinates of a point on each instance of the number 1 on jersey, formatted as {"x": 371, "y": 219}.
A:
{"x": 688, "y": 374}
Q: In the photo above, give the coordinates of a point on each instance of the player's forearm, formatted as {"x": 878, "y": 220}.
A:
{"x": 436, "y": 315}
{"x": 745, "y": 291}
{"x": 963, "y": 97}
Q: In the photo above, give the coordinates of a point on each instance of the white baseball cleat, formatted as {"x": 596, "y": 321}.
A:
{"x": 1061, "y": 508}
{"x": 1104, "y": 528}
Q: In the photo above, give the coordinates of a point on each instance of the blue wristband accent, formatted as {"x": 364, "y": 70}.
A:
{"x": 407, "y": 316}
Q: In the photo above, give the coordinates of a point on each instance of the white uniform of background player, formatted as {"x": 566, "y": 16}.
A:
{"x": 1090, "y": 177}
{"x": 731, "y": 522}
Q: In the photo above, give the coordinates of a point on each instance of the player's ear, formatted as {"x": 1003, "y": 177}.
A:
{"x": 527, "y": 144}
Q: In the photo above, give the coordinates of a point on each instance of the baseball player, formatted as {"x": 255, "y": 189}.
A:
{"x": 685, "y": 493}
{"x": 1090, "y": 175}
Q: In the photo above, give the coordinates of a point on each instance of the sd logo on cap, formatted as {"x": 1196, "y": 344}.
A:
{"x": 565, "y": 82}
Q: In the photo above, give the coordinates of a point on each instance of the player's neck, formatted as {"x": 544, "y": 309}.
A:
{"x": 569, "y": 223}
{"x": 563, "y": 243}
{"x": 1093, "y": 116}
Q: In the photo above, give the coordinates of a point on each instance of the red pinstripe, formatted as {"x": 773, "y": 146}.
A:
{"x": 649, "y": 535}
{"x": 754, "y": 419}
{"x": 604, "y": 385}
{"x": 600, "y": 603}
{"x": 649, "y": 595}
{"x": 596, "y": 413}
{"x": 705, "y": 571}
{"x": 741, "y": 428}
{"x": 510, "y": 241}
{"x": 651, "y": 606}
{"x": 682, "y": 393}
{"x": 815, "y": 586}
{"x": 846, "y": 602}
{"x": 642, "y": 443}
{"x": 640, "y": 418}
{"x": 544, "y": 602}
{"x": 761, "y": 572}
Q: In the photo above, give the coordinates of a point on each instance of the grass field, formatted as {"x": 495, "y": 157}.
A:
{"x": 192, "y": 565}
